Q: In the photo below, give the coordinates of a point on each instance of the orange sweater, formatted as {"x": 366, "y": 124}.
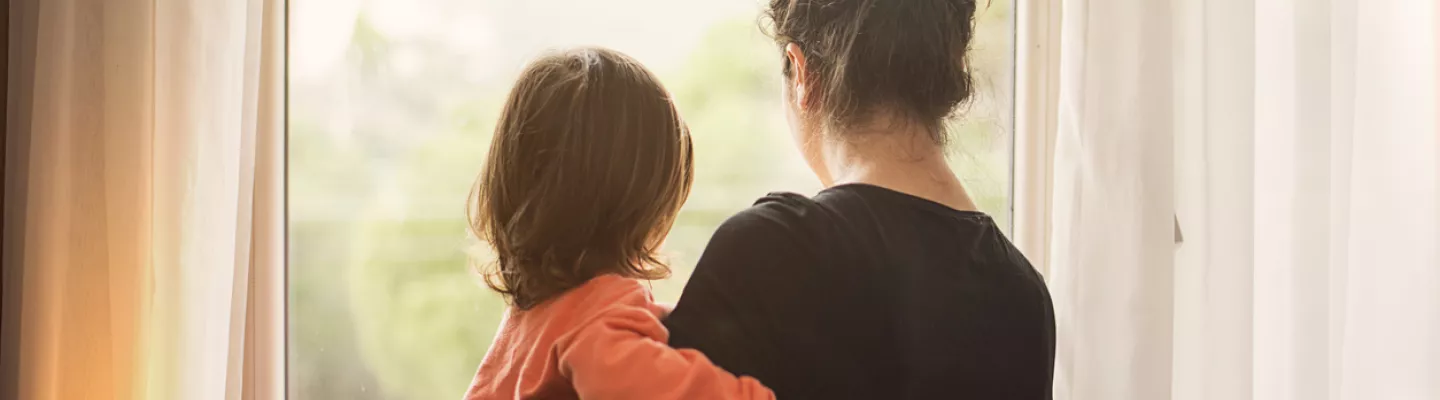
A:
{"x": 602, "y": 340}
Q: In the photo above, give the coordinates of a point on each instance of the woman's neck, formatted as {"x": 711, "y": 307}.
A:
{"x": 909, "y": 162}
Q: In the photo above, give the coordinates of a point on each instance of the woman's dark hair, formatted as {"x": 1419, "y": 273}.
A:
{"x": 588, "y": 167}
{"x": 901, "y": 58}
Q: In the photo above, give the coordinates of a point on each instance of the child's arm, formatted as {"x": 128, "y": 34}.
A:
{"x": 622, "y": 355}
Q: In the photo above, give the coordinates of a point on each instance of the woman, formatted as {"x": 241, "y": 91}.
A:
{"x": 887, "y": 284}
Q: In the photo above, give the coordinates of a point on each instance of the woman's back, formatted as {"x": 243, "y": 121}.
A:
{"x": 864, "y": 292}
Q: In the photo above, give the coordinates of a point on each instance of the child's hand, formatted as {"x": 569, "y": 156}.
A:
{"x": 665, "y": 309}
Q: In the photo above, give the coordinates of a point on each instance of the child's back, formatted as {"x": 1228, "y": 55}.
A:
{"x": 610, "y": 326}
{"x": 588, "y": 167}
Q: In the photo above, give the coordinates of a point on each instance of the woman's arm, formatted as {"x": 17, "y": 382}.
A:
{"x": 622, "y": 354}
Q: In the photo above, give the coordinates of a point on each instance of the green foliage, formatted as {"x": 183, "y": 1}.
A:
{"x": 369, "y": 46}
{"x": 320, "y": 332}
{"x": 423, "y": 318}
{"x": 728, "y": 92}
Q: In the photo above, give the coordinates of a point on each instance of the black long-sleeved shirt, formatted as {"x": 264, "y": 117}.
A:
{"x": 867, "y": 293}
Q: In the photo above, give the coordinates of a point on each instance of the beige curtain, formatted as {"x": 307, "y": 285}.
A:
{"x": 143, "y": 236}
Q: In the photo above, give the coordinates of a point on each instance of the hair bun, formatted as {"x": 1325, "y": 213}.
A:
{"x": 864, "y": 58}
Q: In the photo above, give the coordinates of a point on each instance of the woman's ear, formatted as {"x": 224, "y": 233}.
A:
{"x": 798, "y": 77}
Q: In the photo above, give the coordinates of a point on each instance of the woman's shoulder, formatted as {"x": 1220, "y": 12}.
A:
{"x": 781, "y": 202}
{"x": 784, "y": 208}
{"x": 775, "y": 214}
{"x": 780, "y": 224}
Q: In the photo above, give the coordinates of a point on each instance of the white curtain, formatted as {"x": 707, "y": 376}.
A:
{"x": 1112, "y": 206}
{"x": 143, "y": 229}
{"x": 1298, "y": 151}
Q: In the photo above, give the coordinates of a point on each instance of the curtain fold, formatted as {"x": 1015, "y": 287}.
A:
{"x": 1214, "y": 155}
{"x": 1113, "y": 214}
{"x": 146, "y": 157}
{"x": 1306, "y": 159}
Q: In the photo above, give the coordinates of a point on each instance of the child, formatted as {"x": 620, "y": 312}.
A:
{"x": 589, "y": 165}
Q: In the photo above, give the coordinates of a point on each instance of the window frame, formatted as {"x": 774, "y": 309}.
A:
{"x": 1036, "y": 58}
{"x": 1037, "y": 62}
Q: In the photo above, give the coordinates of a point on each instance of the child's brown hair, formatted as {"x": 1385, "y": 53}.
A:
{"x": 587, "y": 170}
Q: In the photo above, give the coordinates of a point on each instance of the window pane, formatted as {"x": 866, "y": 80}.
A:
{"x": 391, "y": 107}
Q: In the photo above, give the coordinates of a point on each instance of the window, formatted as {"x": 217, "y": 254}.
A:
{"x": 391, "y": 106}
